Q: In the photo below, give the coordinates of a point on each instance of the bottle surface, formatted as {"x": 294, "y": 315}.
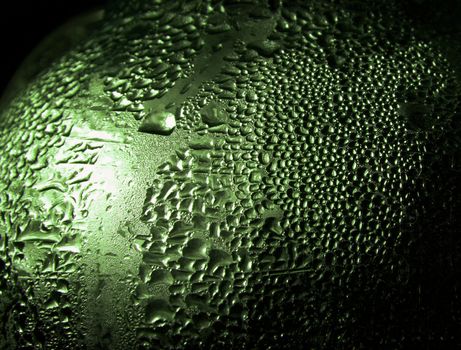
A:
{"x": 235, "y": 174}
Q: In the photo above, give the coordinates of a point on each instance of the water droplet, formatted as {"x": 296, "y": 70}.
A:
{"x": 213, "y": 114}
{"x": 161, "y": 123}
{"x": 159, "y": 309}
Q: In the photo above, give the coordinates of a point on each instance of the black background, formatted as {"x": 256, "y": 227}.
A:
{"x": 23, "y": 24}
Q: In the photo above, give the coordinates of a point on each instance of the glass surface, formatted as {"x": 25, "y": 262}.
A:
{"x": 236, "y": 175}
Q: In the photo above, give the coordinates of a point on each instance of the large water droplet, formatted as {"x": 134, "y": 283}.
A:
{"x": 214, "y": 114}
{"x": 161, "y": 123}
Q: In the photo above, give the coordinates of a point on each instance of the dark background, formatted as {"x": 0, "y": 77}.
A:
{"x": 23, "y": 24}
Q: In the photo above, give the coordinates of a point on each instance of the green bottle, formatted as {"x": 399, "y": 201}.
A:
{"x": 209, "y": 174}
